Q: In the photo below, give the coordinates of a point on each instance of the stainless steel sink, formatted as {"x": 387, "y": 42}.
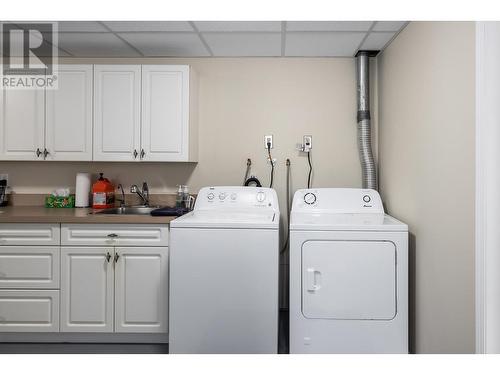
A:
{"x": 126, "y": 211}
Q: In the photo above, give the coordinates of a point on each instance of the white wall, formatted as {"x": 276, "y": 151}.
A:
{"x": 240, "y": 101}
{"x": 427, "y": 169}
{"x": 488, "y": 184}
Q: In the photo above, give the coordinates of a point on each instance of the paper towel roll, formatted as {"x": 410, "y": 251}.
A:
{"x": 82, "y": 190}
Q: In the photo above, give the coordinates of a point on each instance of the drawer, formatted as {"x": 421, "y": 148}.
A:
{"x": 114, "y": 235}
{"x": 30, "y": 234}
{"x": 29, "y": 311}
{"x": 29, "y": 267}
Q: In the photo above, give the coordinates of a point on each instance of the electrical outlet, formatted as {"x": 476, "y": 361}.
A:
{"x": 307, "y": 143}
{"x": 268, "y": 139}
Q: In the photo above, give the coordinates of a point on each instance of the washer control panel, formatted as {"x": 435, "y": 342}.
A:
{"x": 339, "y": 200}
{"x": 241, "y": 197}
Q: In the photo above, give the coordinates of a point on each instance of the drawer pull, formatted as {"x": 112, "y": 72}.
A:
{"x": 112, "y": 235}
{"x": 108, "y": 257}
{"x": 116, "y": 257}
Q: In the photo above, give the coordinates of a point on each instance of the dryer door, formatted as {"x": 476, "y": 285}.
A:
{"x": 349, "y": 280}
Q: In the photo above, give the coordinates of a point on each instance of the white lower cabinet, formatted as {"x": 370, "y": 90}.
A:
{"x": 29, "y": 310}
{"x": 103, "y": 279}
{"x": 141, "y": 289}
{"x": 105, "y": 289}
{"x": 87, "y": 289}
{"x": 29, "y": 277}
{"x": 29, "y": 267}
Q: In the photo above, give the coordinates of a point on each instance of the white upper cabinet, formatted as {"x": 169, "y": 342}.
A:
{"x": 165, "y": 131}
{"x": 117, "y": 112}
{"x": 104, "y": 113}
{"x": 22, "y": 124}
{"x": 68, "y": 131}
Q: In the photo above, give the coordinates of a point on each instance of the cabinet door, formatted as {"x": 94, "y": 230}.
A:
{"x": 33, "y": 267}
{"x": 69, "y": 115}
{"x": 165, "y": 113}
{"x": 22, "y": 124}
{"x": 29, "y": 310}
{"x": 86, "y": 289}
{"x": 141, "y": 289}
{"x": 117, "y": 95}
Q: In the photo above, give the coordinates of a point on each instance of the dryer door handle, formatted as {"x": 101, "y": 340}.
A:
{"x": 312, "y": 279}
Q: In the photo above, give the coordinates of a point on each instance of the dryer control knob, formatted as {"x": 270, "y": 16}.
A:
{"x": 310, "y": 198}
{"x": 261, "y": 196}
{"x": 210, "y": 196}
{"x": 222, "y": 196}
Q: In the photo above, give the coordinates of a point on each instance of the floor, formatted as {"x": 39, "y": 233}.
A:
{"x": 44, "y": 348}
{"x": 73, "y": 348}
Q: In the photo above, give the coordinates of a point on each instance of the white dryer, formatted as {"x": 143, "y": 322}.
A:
{"x": 348, "y": 274}
{"x": 224, "y": 260}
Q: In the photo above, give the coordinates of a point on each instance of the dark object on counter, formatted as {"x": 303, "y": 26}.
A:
{"x": 169, "y": 211}
{"x": 3, "y": 193}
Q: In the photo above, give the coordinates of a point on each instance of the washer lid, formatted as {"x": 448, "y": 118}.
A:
{"x": 227, "y": 219}
{"x": 345, "y": 222}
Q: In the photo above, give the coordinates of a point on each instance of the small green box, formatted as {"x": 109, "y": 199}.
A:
{"x": 60, "y": 202}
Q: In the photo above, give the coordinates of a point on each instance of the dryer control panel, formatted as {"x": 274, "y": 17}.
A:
{"x": 236, "y": 197}
{"x": 333, "y": 200}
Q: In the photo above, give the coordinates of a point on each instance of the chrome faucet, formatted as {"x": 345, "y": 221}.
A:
{"x": 143, "y": 194}
{"x": 122, "y": 201}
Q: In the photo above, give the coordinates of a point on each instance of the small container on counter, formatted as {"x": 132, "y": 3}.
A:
{"x": 103, "y": 193}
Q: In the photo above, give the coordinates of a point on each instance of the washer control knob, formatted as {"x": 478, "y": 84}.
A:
{"x": 233, "y": 196}
{"x": 261, "y": 196}
{"x": 367, "y": 198}
{"x": 222, "y": 196}
{"x": 210, "y": 196}
{"x": 310, "y": 198}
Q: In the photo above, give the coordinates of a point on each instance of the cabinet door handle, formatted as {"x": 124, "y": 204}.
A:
{"x": 143, "y": 153}
{"x": 135, "y": 154}
{"x": 38, "y": 152}
{"x": 116, "y": 257}
{"x": 112, "y": 235}
{"x": 108, "y": 256}
{"x": 45, "y": 153}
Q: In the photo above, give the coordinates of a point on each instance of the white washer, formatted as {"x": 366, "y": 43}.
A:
{"x": 224, "y": 260}
{"x": 348, "y": 274}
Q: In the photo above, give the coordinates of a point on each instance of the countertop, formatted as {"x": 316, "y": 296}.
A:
{"x": 38, "y": 214}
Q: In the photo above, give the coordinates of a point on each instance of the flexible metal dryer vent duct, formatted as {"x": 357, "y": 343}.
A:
{"x": 368, "y": 167}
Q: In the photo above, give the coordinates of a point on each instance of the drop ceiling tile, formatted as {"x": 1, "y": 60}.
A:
{"x": 376, "y": 41}
{"x": 241, "y": 26}
{"x": 244, "y": 44}
{"x": 328, "y": 25}
{"x": 167, "y": 44}
{"x": 388, "y": 25}
{"x": 61, "y": 53}
{"x": 95, "y": 45}
{"x": 18, "y": 53}
{"x": 81, "y": 26}
{"x": 131, "y": 26}
{"x": 322, "y": 44}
